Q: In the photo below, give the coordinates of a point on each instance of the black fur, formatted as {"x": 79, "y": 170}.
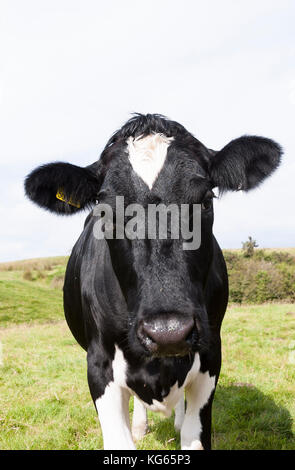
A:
{"x": 81, "y": 185}
{"x": 244, "y": 163}
{"x": 142, "y": 125}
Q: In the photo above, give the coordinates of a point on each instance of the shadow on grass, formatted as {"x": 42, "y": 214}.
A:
{"x": 246, "y": 418}
{"x": 163, "y": 432}
{"x": 243, "y": 418}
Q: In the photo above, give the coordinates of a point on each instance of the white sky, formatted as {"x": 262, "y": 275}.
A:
{"x": 71, "y": 72}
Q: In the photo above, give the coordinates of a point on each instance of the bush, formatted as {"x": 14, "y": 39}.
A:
{"x": 249, "y": 246}
{"x": 28, "y": 275}
{"x": 262, "y": 277}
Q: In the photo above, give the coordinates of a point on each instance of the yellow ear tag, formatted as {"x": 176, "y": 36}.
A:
{"x": 60, "y": 195}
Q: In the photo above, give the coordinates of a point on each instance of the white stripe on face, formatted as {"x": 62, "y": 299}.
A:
{"x": 147, "y": 155}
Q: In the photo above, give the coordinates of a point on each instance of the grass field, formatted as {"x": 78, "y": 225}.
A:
{"x": 44, "y": 397}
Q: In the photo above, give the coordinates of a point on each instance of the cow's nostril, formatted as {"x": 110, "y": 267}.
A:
{"x": 167, "y": 335}
{"x": 144, "y": 337}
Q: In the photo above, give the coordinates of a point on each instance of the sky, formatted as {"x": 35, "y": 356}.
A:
{"x": 72, "y": 72}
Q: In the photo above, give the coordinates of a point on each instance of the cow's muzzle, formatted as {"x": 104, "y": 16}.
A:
{"x": 167, "y": 336}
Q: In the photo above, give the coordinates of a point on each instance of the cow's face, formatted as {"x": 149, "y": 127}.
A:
{"x": 163, "y": 283}
{"x": 151, "y": 162}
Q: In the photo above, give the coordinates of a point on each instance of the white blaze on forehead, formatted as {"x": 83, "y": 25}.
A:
{"x": 147, "y": 155}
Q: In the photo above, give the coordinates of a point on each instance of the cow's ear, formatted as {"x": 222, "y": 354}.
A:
{"x": 244, "y": 163}
{"x": 63, "y": 188}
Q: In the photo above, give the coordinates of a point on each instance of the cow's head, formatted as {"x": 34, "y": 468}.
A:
{"x": 152, "y": 160}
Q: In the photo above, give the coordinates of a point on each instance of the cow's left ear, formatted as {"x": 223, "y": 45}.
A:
{"x": 244, "y": 163}
{"x": 64, "y": 188}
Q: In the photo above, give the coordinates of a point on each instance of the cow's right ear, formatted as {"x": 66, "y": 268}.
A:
{"x": 64, "y": 188}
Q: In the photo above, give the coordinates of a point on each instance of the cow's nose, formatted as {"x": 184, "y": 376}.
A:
{"x": 167, "y": 336}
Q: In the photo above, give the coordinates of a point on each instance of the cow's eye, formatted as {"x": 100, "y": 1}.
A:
{"x": 206, "y": 204}
{"x": 207, "y": 201}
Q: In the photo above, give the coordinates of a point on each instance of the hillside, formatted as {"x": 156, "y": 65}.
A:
{"x": 32, "y": 288}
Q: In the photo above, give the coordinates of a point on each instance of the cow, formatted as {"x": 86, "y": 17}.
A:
{"x": 147, "y": 311}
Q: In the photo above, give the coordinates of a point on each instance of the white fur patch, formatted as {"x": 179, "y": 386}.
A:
{"x": 139, "y": 420}
{"x": 179, "y": 414}
{"x": 197, "y": 396}
{"x": 176, "y": 393}
{"x": 113, "y": 409}
{"x": 169, "y": 402}
{"x": 147, "y": 155}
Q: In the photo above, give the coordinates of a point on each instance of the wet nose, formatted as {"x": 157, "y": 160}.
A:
{"x": 167, "y": 336}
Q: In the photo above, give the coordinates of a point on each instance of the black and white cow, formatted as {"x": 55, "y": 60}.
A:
{"x": 148, "y": 312}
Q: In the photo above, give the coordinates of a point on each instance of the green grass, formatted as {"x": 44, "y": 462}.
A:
{"x": 28, "y": 293}
{"x": 23, "y": 301}
{"x": 254, "y": 406}
{"x": 45, "y": 402}
{"x": 44, "y": 397}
